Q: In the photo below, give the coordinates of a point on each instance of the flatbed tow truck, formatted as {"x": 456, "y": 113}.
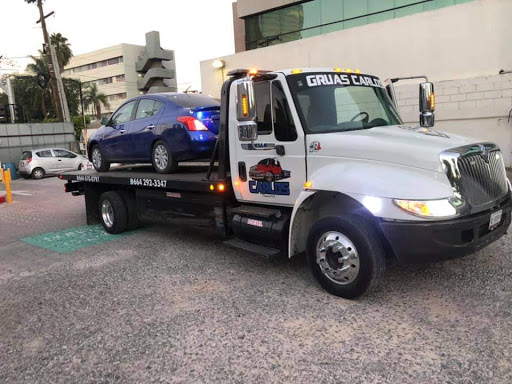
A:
{"x": 354, "y": 186}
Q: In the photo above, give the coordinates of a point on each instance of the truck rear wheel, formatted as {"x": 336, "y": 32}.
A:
{"x": 345, "y": 255}
{"x": 113, "y": 212}
{"x": 131, "y": 206}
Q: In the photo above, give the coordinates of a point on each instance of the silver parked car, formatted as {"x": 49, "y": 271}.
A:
{"x": 49, "y": 161}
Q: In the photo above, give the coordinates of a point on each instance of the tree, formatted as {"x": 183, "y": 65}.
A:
{"x": 40, "y": 65}
{"x": 92, "y": 97}
{"x": 62, "y": 49}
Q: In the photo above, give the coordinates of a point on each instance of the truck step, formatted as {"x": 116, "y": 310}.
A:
{"x": 267, "y": 252}
{"x": 256, "y": 211}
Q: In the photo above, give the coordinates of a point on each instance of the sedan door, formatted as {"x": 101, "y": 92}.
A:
{"x": 45, "y": 159}
{"x": 115, "y": 143}
{"x": 66, "y": 160}
{"x": 142, "y": 128}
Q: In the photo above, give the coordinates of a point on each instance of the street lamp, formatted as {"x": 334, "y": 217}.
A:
{"x": 218, "y": 64}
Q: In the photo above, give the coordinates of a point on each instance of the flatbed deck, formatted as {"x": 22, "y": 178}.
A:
{"x": 189, "y": 177}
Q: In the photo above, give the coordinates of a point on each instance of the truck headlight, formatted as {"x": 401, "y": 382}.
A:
{"x": 430, "y": 208}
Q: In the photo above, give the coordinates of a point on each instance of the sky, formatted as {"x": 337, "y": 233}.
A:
{"x": 195, "y": 29}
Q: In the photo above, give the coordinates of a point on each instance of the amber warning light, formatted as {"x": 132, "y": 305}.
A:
{"x": 432, "y": 101}
{"x": 245, "y": 106}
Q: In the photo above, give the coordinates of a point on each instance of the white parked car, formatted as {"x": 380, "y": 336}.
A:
{"x": 49, "y": 161}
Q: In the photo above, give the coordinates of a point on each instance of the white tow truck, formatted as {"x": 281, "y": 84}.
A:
{"x": 318, "y": 161}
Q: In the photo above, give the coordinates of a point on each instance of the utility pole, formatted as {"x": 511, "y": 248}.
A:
{"x": 83, "y": 117}
{"x": 51, "y": 63}
{"x": 60, "y": 86}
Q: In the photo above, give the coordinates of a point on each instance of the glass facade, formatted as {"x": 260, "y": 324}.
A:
{"x": 316, "y": 17}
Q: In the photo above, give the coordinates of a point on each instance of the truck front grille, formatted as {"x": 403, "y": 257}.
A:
{"x": 477, "y": 172}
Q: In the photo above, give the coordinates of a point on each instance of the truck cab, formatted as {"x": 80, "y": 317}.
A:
{"x": 319, "y": 162}
{"x": 361, "y": 186}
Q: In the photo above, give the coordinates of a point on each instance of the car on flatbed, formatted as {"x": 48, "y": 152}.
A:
{"x": 353, "y": 187}
{"x": 161, "y": 129}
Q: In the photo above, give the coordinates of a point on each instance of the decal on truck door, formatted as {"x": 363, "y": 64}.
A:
{"x": 265, "y": 176}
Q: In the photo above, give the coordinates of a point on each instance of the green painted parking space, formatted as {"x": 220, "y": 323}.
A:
{"x": 72, "y": 239}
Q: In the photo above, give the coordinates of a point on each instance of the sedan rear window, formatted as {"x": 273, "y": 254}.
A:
{"x": 26, "y": 155}
{"x": 46, "y": 153}
{"x": 193, "y": 101}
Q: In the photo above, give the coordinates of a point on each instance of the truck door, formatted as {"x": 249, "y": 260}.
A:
{"x": 272, "y": 168}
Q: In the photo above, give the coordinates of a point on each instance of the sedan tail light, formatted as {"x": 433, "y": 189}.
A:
{"x": 28, "y": 160}
{"x": 192, "y": 123}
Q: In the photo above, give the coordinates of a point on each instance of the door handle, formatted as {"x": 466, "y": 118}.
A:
{"x": 150, "y": 127}
{"x": 242, "y": 171}
{"x": 59, "y": 160}
{"x": 122, "y": 131}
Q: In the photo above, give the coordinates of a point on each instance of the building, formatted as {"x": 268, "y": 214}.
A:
{"x": 461, "y": 45}
{"x": 124, "y": 71}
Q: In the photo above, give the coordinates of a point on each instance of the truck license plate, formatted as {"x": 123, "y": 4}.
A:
{"x": 495, "y": 220}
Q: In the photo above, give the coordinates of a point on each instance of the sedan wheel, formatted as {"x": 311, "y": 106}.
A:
{"x": 38, "y": 173}
{"x": 161, "y": 156}
{"x": 98, "y": 161}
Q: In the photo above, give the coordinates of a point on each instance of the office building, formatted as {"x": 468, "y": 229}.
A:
{"x": 461, "y": 45}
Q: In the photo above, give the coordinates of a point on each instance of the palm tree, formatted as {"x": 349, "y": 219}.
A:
{"x": 92, "y": 97}
{"x": 62, "y": 49}
{"x": 40, "y": 65}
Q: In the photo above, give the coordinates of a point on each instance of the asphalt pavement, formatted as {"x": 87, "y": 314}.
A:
{"x": 174, "y": 305}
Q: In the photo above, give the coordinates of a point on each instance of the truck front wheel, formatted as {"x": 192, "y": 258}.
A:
{"x": 113, "y": 212}
{"x": 345, "y": 255}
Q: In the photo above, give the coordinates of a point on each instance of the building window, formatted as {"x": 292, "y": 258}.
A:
{"x": 316, "y": 17}
{"x": 108, "y": 80}
{"x": 97, "y": 64}
{"x": 117, "y": 96}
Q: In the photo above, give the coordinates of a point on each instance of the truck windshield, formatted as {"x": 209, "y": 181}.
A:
{"x": 339, "y": 102}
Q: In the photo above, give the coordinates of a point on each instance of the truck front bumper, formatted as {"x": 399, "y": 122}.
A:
{"x": 424, "y": 242}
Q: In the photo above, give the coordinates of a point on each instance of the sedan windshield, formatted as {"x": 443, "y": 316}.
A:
{"x": 332, "y": 102}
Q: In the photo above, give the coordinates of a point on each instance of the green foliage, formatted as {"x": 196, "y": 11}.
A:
{"x": 62, "y": 49}
{"x": 92, "y": 97}
{"x": 78, "y": 124}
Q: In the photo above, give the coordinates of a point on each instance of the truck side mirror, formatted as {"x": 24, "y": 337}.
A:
{"x": 246, "y": 111}
{"x": 427, "y": 104}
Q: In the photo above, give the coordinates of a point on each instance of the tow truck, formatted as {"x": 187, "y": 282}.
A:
{"x": 360, "y": 187}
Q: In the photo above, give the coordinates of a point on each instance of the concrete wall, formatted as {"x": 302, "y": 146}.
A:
{"x": 477, "y": 107}
{"x": 467, "y": 43}
{"x": 16, "y": 138}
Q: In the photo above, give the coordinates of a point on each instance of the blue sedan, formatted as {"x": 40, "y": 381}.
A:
{"x": 162, "y": 129}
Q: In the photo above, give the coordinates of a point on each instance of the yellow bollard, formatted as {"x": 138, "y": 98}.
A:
{"x": 7, "y": 177}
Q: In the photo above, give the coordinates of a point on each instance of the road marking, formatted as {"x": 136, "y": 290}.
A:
{"x": 21, "y": 193}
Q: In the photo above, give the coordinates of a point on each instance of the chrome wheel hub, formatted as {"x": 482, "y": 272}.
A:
{"x": 337, "y": 258}
{"x": 107, "y": 213}
{"x": 96, "y": 158}
{"x": 161, "y": 156}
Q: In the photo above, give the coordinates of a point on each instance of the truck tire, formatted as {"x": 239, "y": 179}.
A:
{"x": 346, "y": 255}
{"x": 98, "y": 160}
{"x": 113, "y": 212}
{"x": 162, "y": 158}
{"x": 131, "y": 206}
{"x": 269, "y": 176}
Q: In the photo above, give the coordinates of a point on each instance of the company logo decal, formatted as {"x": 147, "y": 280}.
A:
{"x": 343, "y": 79}
{"x": 315, "y": 146}
{"x": 266, "y": 176}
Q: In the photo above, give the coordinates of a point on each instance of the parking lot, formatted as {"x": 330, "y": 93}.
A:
{"x": 165, "y": 304}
